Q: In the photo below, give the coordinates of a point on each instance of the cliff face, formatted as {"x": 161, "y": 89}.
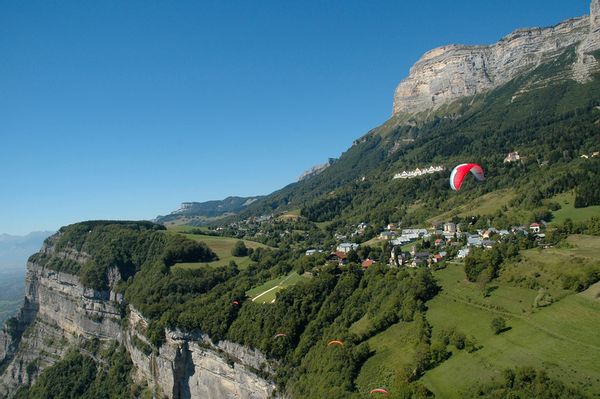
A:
{"x": 59, "y": 313}
{"x": 451, "y": 72}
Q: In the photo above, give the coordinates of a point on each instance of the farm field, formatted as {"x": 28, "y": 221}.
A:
{"x": 562, "y": 337}
{"x": 267, "y": 292}
{"x": 222, "y": 246}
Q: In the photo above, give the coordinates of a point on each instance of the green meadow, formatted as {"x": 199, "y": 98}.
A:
{"x": 568, "y": 211}
{"x": 561, "y": 337}
{"x": 222, "y": 246}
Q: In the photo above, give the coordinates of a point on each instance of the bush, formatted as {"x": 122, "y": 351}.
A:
{"x": 239, "y": 249}
{"x": 498, "y": 325}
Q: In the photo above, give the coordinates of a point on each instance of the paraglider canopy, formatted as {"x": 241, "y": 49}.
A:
{"x": 235, "y": 303}
{"x": 379, "y": 390}
{"x": 280, "y": 335}
{"x": 460, "y": 172}
{"x": 335, "y": 342}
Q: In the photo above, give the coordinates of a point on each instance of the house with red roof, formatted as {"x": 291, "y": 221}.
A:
{"x": 367, "y": 263}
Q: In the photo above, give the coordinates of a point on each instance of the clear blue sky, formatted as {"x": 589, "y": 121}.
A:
{"x": 124, "y": 109}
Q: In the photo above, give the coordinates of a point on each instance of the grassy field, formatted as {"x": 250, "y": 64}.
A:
{"x": 222, "y": 247}
{"x": 485, "y": 205}
{"x": 288, "y": 216}
{"x": 185, "y": 229}
{"x": 267, "y": 292}
{"x": 568, "y": 210}
{"x": 562, "y": 338}
{"x": 545, "y": 267}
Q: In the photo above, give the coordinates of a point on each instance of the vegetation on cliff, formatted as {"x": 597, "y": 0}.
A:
{"x": 80, "y": 375}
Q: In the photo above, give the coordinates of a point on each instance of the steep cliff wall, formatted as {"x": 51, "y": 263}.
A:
{"x": 191, "y": 366}
{"x": 451, "y": 72}
{"x": 59, "y": 312}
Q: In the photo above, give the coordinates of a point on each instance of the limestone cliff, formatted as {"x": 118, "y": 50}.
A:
{"x": 59, "y": 312}
{"x": 454, "y": 71}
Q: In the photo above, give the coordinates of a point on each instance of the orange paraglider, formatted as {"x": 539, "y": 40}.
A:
{"x": 335, "y": 342}
{"x": 280, "y": 335}
{"x": 379, "y": 390}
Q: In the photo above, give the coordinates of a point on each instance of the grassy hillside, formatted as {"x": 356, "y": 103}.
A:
{"x": 568, "y": 211}
{"x": 560, "y": 338}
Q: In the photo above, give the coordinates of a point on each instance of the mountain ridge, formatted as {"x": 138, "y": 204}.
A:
{"x": 450, "y": 72}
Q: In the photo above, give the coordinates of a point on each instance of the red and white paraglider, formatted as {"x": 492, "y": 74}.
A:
{"x": 461, "y": 171}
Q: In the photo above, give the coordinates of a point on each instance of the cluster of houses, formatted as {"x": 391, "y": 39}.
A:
{"x": 418, "y": 172}
{"x": 406, "y": 236}
{"x": 448, "y": 235}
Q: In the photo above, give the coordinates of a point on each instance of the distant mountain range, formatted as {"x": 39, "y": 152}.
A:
{"x": 14, "y": 250}
{"x": 200, "y": 213}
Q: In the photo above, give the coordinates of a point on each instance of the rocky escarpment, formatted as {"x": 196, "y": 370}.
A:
{"x": 451, "y": 72}
{"x": 192, "y": 366}
{"x": 59, "y": 313}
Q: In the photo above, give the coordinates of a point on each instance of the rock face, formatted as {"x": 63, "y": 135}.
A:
{"x": 191, "y": 366}
{"x": 59, "y": 312}
{"x": 451, "y": 72}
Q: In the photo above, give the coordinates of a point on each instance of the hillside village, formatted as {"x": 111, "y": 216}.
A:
{"x": 428, "y": 247}
{"x": 391, "y": 245}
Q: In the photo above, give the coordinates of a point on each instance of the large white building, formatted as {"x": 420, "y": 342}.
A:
{"x": 347, "y": 247}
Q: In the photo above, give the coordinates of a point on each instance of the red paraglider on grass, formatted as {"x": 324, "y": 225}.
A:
{"x": 236, "y": 303}
{"x": 379, "y": 390}
{"x": 460, "y": 172}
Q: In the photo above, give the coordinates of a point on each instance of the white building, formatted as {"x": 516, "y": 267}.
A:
{"x": 512, "y": 157}
{"x": 347, "y": 247}
{"x": 463, "y": 253}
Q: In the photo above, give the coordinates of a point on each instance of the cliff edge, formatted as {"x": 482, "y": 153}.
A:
{"x": 450, "y": 72}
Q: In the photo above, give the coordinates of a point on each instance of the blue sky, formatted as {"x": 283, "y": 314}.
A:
{"x": 124, "y": 109}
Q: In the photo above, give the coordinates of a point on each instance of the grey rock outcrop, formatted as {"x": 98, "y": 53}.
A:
{"x": 191, "y": 366}
{"x": 59, "y": 313}
{"x": 454, "y": 71}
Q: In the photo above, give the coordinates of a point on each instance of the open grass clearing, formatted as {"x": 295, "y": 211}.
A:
{"x": 267, "y": 292}
{"x": 222, "y": 246}
{"x": 568, "y": 210}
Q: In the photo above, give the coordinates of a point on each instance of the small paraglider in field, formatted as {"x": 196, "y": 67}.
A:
{"x": 335, "y": 342}
{"x": 460, "y": 172}
{"x": 381, "y": 391}
{"x": 280, "y": 335}
{"x": 236, "y": 303}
